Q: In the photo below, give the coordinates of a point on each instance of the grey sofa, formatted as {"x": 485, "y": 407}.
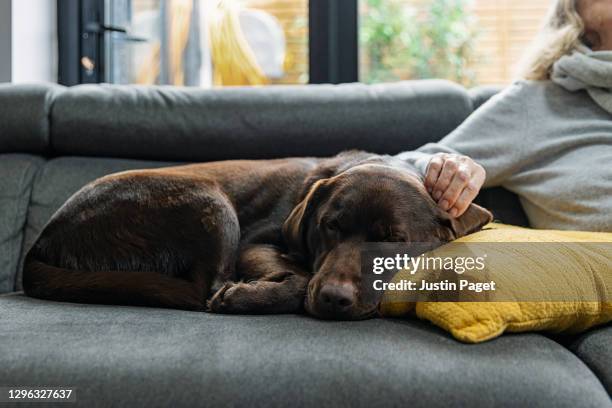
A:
{"x": 54, "y": 139}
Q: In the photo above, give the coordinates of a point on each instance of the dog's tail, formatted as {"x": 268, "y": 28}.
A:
{"x": 44, "y": 281}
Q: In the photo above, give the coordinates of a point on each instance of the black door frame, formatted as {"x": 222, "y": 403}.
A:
{"x": 80, "y": 41}
{"x": 332, "y": 41}
{"x": 68, "y": 42}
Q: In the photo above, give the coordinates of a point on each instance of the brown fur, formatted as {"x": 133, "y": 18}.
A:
{"x": 235, "y": 236}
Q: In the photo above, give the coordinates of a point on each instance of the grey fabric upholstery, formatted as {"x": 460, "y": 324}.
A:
{"x": 203, "y": 125}
{"x": 17, "y": 172}
{"x": 595, "y": 349}
{"x": 154, "y": 357}
{"x": 24, "y": 117}
{"x": 140, "y": 357}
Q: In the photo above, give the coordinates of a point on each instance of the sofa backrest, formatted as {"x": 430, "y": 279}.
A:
{"x": 190, "y": 124}
{"x": 53, "y": 140}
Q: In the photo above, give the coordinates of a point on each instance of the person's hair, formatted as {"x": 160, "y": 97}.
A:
{"x": 560, "y": 34}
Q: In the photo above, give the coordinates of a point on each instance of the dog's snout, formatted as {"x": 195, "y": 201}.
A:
{"x": 336, "y": 298}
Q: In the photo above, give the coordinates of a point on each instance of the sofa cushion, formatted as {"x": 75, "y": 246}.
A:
{"x": 201, "y": 125}
{"x": 595, "y": 349}
{"x": 480, "y": 94}
{"x": 57, "y": 180}
{"x": 505, "y": 205}
{"x": 562, "y": 285}
{"x": 24, "y": 117}
{"x": 17, "y": 174}
{"x": 156, "y": 357}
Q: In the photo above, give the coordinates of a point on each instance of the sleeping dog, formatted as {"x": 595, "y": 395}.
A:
{"x": 272, "y": 236}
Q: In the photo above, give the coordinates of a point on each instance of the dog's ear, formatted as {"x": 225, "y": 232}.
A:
{"x": 295, "y": 226}
{"x": 314, "y": 186}
{"x": 472, "y": 220}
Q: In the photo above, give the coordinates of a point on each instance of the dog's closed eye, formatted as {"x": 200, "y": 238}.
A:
{"x": 331, "y": 225}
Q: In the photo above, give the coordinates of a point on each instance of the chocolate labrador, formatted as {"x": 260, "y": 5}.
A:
{"x": 272, "y": 236}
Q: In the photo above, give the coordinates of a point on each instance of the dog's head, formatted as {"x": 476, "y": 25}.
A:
{"x": 374, "y": 200}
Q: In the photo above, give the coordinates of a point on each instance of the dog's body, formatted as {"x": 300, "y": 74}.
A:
{"x": 173, "y": 237}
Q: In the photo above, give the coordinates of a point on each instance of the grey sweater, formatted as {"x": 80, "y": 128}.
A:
{"x": 550, "y": 146}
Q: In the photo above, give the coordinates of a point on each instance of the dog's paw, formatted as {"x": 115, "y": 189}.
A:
{"x": 216, "y": 303}
{"x": 224, "y": 300}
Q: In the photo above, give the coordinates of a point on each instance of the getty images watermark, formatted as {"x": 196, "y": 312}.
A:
{"x": 412, "y": 264}
{"x": 488, "y": 272}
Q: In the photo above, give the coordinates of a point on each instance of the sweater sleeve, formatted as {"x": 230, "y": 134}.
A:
{"x": 494, "y": 136}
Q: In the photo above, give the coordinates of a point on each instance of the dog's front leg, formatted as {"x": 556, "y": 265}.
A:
{"x": 272, "y": 283}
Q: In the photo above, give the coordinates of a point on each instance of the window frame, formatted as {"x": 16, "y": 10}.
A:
{"x": 332, "y": 41}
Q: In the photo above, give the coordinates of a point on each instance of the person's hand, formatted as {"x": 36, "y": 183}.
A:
{"x": 453, "y": 181}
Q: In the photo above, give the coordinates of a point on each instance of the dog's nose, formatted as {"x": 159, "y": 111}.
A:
{"x": 336, "y": 297}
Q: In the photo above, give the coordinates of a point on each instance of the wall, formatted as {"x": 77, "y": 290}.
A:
{"x": 34, "y": 41}
{"x": 5, "y": 41}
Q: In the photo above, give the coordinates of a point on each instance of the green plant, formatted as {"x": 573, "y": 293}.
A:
{"x": 401, "y": 42}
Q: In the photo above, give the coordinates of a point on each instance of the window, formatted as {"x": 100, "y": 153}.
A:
{"x": 252, "y": 42}
{"x": 473, "y": 42}
{"x": 189, "y": 42}
{"x": 204, "y": 43}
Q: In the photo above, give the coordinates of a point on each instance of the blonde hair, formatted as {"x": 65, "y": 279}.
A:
{"x": 560, "y": 35}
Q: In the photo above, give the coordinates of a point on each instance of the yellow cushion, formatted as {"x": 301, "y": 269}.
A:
{"x": 474, "y": 322}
